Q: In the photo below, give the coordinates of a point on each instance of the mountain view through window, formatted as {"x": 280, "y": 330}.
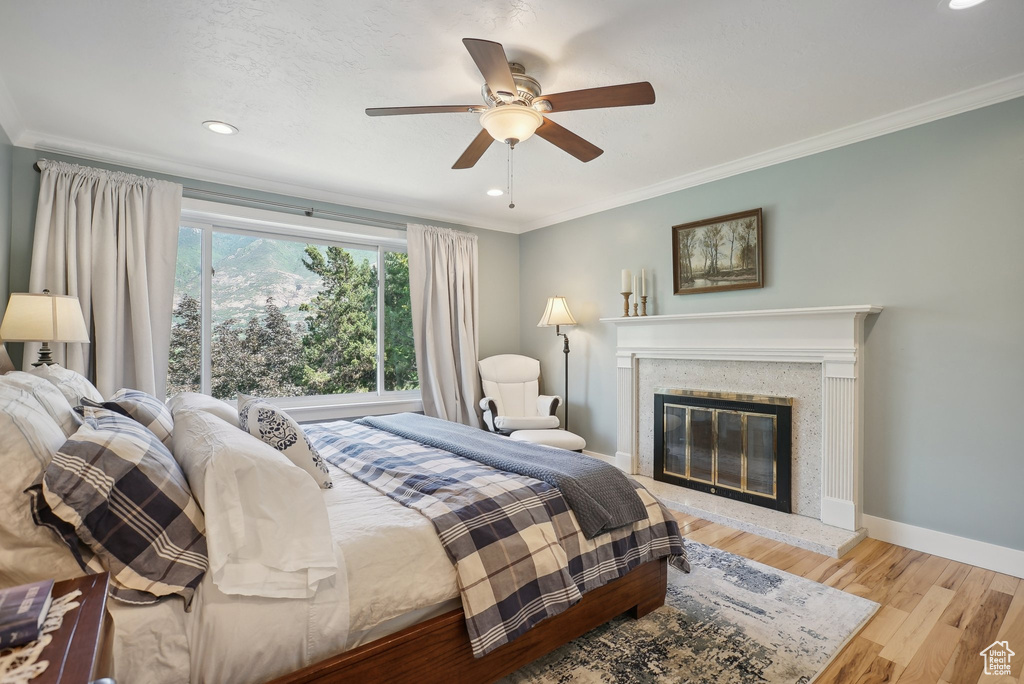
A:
{"x": 290, "y": 318}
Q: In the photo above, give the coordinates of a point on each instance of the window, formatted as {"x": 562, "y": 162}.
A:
{"x": 290, "y": 311}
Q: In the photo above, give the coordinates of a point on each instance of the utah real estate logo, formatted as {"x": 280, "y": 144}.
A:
{"x": 997, "y": 658}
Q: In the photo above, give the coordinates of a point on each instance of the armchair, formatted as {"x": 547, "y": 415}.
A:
{"x": 512, "y": 399}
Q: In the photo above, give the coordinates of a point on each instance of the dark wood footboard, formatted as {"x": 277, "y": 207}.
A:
{"x": 438, "y": 650}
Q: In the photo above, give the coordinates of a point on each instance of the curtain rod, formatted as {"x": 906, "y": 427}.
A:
{"x": 308, "y": 211}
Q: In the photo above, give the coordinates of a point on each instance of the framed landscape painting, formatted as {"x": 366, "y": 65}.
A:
{"x": 718, "y": 254}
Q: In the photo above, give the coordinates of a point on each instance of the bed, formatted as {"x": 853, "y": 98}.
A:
{"x": 383, "y": 599}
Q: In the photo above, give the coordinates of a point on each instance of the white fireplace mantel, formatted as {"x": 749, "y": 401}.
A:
{"x": 832, "y": 336}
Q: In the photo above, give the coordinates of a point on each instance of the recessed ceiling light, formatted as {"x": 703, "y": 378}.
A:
{"x": 220, "y": 127}
{"x": 495, "y": 192}
{"x": 963, "y": 4}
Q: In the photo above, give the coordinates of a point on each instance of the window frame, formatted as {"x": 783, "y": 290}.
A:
{"x": 209, "y": 217}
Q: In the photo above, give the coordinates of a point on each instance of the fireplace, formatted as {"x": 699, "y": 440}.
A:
{"x": 732, "y": 445}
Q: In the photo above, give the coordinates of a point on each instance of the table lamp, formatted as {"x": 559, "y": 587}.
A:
{"x": 43, "y": 318}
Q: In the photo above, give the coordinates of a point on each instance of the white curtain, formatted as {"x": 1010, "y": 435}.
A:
{"x": 445, "y": 313}
{"x": 111, "y": 239}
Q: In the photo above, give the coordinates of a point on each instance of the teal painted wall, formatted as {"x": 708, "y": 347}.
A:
{"x": 927, "y": 222}
{"x": 498, "y": 264}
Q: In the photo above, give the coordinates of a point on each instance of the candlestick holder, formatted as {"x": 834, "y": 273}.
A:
{"x": 635, "y": 307}
{"x": 643, "y": 305}
{"x": 625, "y": 303}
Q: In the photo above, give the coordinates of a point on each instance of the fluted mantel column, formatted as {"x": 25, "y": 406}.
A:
{"x": 626, "y": 413}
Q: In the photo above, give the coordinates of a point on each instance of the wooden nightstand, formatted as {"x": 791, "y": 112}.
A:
{"x": 81, "y": 649}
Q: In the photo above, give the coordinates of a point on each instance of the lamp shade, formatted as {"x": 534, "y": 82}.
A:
{"x": 556, "y": 313}
{"x": 43, "y": 318}
{"x": 511, "y": 122}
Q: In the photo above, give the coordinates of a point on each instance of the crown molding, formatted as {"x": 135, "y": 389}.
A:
{"x": 964, "y": 101}
{"x": 111, "y": 155}
{"x": 10, "y": 120}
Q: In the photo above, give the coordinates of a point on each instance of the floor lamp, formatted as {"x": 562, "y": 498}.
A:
{"x": 557, "y": 314}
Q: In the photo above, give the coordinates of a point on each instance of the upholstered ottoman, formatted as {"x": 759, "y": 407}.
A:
{"x": 555, "y": 438}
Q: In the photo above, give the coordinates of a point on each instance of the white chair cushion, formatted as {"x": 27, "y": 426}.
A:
{"x": 511, "y": 381}
{"x": 508, "y": 423}
{"x": 562, "y": 439}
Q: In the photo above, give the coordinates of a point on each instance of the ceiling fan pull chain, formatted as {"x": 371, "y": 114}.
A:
{"x": 511, "y": 169}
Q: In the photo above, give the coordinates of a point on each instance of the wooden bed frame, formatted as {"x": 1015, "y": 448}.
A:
{"x": 438, "y": 650}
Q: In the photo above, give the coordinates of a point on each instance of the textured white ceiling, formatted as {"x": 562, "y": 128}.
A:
{"x": 131, "y": 81}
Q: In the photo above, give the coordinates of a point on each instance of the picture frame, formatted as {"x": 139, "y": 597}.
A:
{"x": 700, "y": 247}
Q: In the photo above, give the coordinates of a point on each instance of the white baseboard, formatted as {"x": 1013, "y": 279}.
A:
{"x": 989, "y": 556}
{"x": 601, "y": 457}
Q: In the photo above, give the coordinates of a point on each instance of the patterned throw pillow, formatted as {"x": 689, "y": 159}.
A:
{"x": 143, "y": 408}
{"x": 275, "y": 427}
{"x": 72, "y": 385}
{"x": 130, "y": 504}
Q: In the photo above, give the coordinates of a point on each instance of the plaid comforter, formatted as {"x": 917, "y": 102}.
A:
{"x": 518, "y": 552}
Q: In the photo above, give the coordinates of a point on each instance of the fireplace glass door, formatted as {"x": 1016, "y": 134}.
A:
{"x": 734, "y": 448}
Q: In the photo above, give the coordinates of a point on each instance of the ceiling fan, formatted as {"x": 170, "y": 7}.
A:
{"x": 514, "y": 107}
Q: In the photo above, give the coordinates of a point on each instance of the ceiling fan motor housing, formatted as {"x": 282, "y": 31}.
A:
{"x": 527, "y": 88}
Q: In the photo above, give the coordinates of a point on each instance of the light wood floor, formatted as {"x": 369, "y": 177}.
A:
{"x": 936, "y": 614}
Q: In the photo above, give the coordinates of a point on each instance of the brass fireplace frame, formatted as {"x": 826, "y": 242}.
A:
{"x": 778, "y": 409}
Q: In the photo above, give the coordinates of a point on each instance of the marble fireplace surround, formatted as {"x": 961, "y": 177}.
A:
{"x": 714, "y": 350}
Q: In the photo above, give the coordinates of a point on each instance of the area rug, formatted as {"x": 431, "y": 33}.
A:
{"x": 731, "y": 620}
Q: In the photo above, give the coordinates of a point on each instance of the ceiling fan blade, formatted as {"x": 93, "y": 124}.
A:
{"x": 625, "y": 95}
{"x": 475, "y": 150}
{"x": 568, "y": 141}
{"x": 439, "y": 109}
{"x": 491, "y": 61}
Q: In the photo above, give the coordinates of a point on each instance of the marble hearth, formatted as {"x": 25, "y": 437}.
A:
{"x": 813, "y": 355}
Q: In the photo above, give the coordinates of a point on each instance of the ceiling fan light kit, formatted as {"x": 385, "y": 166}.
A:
{"x": 511, "y": 123}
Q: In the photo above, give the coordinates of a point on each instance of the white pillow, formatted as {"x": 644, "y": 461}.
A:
{"x": 28, "y": 439}
{"x": 270, "y": 424}
{"x": 72, "y": 385}
{"x": 49, "y": 397}
{"x": 266, "y": 522}
{"x": 191, "y": 401}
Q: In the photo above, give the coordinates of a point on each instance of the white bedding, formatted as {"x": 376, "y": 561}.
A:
{"x": 396, "y": 574}
{"x": 267, "y": 529}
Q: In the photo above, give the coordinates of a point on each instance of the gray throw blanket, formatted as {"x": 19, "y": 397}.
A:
{"x": 599, "y": 494}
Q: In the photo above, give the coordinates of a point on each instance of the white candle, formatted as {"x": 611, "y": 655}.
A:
{"x": 643, "y": 282}
{"x": 625, "y": 281}
{"x": 634, "y": 284}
